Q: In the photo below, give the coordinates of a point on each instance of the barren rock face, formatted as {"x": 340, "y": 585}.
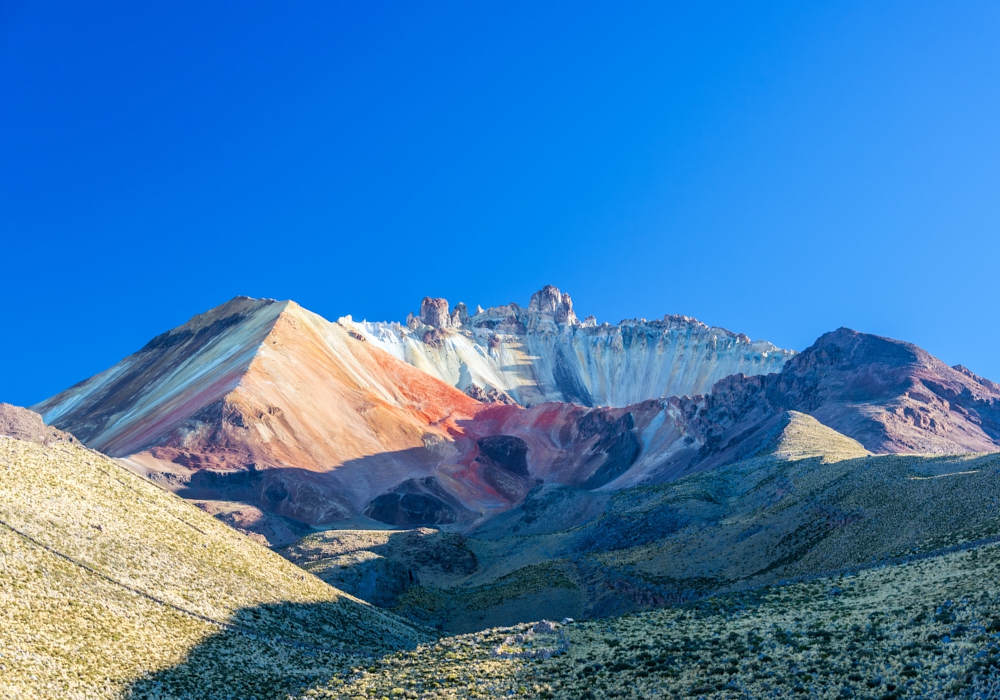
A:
{"x": 266, "y": 404}
{"x": 24, "y": 424}
{"x": 489, "y": 395}
{"x": 550, "y": 302}
{"x": 890, "y": 395}
{"x": 543, "y": 353}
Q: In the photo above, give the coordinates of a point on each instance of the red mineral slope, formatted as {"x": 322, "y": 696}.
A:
{"x": 267, "y": 403}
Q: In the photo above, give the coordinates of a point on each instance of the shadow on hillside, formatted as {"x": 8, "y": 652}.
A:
{"x": 406, "y": 559}
{"x": 278, "y": 650}
{"x": 413, "y": 496}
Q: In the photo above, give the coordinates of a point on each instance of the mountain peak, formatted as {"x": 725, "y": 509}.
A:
{"x": 552, "y": 303}
{"x": 542, "y": 352}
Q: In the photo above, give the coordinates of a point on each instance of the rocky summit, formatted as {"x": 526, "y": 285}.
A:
{"x": 442, "y": 485}
{"x": 543, "y": 352}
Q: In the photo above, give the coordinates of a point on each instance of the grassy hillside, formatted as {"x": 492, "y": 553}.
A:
{"x": 754, "y": 523}
{"x": 111, "y": 586}
{"x": 802, "y": 436}
{"x": 927, "y": 629}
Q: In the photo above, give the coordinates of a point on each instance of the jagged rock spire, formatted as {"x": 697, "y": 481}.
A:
{"x": 434, "y": 312}
{"x": 550, "y": 301}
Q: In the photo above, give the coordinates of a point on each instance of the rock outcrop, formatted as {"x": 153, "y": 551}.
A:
{"x": 24, "y": 424}
{"x": 489, "y": 395}
{"x": 544, "y": 353}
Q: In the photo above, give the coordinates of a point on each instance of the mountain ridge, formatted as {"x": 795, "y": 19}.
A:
{"x": 269, "y": 405}
{"x": 543, "y": 353}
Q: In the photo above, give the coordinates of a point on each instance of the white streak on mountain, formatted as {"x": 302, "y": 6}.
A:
{"x": 544, "y": 353}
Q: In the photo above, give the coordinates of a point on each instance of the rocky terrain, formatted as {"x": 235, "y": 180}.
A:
{"x": 927, "y": 629}
{"x": 22, "y": 424}
{"x": 544, "y": 353}
{"x": 811, "y": 567}
{"x": 889, "y": 395}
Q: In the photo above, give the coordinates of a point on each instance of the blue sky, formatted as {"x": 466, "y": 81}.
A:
{"x": 779, "y": 169}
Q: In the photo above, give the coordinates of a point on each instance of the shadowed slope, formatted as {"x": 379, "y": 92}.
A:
{"x": 921, "y": 630}
{"x": 566, "y": 552}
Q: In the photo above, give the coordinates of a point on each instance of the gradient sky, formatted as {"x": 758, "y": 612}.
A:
{"x": 779, "y": 169}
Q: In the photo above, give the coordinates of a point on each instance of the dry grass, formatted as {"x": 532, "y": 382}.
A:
{"x": 929, "y": 629}
{"x": 112, "y": 580}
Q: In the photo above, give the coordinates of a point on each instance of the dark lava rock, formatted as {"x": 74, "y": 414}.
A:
{"x": 416, "y": 502}
{"x": 504, "y": 451}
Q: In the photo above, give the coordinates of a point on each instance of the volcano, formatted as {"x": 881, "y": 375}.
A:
{"x": 450, "y": 419}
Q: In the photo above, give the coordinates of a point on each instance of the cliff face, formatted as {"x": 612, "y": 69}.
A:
{"x": 544, "y": 353}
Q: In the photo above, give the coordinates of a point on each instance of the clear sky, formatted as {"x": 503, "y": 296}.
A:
{"x": 779, "y": 169}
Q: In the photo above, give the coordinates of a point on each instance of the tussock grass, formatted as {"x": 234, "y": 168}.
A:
{"x": 107, "y": 581}
{"x": 927, "y": 629}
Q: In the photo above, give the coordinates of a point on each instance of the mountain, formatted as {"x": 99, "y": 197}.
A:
{"x": 544, "y": 353}
{"x": 263, "y": 404}
{"x": 869, "y": 393}
{"x": 111, "y": 587}
{"x": 266, "y": 403}
{"x": 889, "y": 395}
{"x": 262, "y": 410}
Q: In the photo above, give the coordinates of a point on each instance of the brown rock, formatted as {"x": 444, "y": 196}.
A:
{"x": 434, "y": 313}
{"x": 490, "y": 395}
{"x": 23, "y": 424}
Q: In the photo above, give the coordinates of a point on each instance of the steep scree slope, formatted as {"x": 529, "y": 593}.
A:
{"x": 266, "y": 403}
